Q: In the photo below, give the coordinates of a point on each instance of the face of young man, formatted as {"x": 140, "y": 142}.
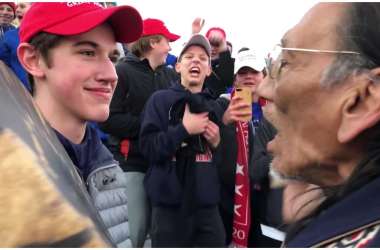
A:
{"x": 22, "y": 8}
{"x": 160, "y": 50}
{"x": 248, "y": 77}
{"x": 194, "y": 67}
{"x": 6, "y": 14}
{"x": 305, "y": 113}
{"x": 81, "y": 77}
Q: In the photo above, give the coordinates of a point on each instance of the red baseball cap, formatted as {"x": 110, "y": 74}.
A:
{"x": 215, "y": 29}
{"x": 157, "y": 27}
{"x": 73, "y": 18}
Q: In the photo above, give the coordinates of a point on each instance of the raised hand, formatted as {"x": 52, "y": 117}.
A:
{"x": 197, "y": 25}
{"x": 237, "y": 110}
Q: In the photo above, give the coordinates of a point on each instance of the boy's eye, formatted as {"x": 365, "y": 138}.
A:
{"x": 87, "y": 52}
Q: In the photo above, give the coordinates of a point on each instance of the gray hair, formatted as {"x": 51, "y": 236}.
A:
{"x": 343, "y": 67}
{"x": 350, "y": 37}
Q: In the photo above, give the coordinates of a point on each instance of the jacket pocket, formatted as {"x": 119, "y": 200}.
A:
{"x": 162, "y": 184}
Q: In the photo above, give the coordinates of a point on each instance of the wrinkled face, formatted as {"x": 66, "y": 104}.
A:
{"x": 160, "y": 50}
{"x": 194, "y": 67}
{"x": 249, "y": 77}
{"x": 22, "y": 8}
{"x": 305, "y": 114}
{"x": 81, "y": 78}
{"x": 6, "y": 14}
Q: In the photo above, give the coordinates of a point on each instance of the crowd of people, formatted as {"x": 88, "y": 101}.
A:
{"x": 201, "y": 149}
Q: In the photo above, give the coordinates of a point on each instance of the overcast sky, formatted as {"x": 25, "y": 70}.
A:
{"x": 255, "y": 24}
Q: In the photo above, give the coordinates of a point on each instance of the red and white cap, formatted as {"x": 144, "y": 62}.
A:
{"x": 73, "y": 18}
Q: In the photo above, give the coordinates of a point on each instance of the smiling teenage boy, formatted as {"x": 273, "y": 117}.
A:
{"x": 69, "y": 50}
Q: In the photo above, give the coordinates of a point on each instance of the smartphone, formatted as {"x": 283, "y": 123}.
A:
{"x": 246, "y": 94}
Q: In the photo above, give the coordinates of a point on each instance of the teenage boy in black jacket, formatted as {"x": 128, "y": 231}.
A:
{"x": 141, "y": 73}
{"x": 178, "y": 135}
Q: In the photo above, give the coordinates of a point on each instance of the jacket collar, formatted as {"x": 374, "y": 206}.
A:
{"x": 356, "y": 210}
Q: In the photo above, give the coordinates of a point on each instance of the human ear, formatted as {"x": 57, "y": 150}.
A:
{"x": 209, "y": 70}
{"x": 30, "y": 59}
{"x": 178, "y": 67}
{"x": 361, "y": 109}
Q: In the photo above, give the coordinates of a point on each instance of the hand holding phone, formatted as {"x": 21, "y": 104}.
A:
{"x": 245, "y": 93}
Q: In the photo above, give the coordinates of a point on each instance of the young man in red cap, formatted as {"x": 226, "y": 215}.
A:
{"x": 222, "y": 63}
{"x": 140, "y": 73}
{"x": 7, "y": 15}
{"x": 69, "y": 49}
{"x": 178, "y": 137}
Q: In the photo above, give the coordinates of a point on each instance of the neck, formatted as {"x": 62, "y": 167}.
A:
{"x": 152, "y": 62}
{"x": 60, "y": 119}
{"x": 193, "y": 87}
{"x": 346, "y": 169}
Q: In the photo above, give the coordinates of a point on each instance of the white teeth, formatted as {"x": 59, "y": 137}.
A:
{"x": 194, "y": 70}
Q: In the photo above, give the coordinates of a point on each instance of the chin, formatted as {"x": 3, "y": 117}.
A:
{"x": 285, "y": 169}
{"x": 194, "y": 83}
{"x": 99, "y": 116}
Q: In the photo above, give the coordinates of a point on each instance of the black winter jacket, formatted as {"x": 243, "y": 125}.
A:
{"x": 137, "y": 82}
{"x": 222, "y": 75}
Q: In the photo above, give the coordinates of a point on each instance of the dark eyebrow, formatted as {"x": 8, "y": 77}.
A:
{"x": 95, "y": 45}
{"x": 92, "y": 44}
{"x": 283, "y": 42}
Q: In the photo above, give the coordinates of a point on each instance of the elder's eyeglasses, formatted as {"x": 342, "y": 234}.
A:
{"x": 274, "y": 62}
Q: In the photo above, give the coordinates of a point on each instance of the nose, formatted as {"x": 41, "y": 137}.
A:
{"x": 107, "y": 73}
{"x": 266, "y": 88}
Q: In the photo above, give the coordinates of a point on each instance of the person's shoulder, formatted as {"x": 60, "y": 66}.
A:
{"x": 96, "y": 146}
{"x": 162, "y": 94}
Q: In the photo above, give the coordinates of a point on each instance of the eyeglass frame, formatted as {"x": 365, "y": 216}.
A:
{"x": 269, "y": 66}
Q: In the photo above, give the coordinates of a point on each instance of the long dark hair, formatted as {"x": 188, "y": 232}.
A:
{"x": 359, "y": 33}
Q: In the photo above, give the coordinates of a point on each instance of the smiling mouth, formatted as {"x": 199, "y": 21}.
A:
{"x": 104, "y": 93}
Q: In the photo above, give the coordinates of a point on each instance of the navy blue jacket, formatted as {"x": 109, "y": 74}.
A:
{"x": 159, "y": 142}
{"x": 339, "y": 226}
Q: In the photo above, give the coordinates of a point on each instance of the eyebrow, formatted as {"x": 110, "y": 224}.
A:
{"x": 115, "y": 52}
{"x": 284, "y": 43}
{"x": 92, "y": 44}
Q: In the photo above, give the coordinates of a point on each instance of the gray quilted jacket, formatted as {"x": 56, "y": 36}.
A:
{"x": 107, "y": 187}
